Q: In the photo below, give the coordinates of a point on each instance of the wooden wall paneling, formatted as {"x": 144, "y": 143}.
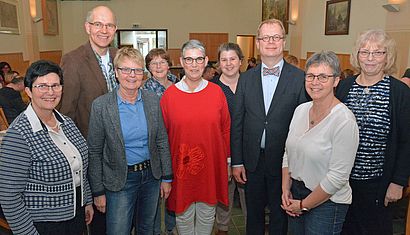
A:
{"x": 16, "y": 61}
{"x": 211, "y": 42}
{"x": 174, "y": 55}
{"x": 344, "y": 60}
{"x": 54, "y": 56}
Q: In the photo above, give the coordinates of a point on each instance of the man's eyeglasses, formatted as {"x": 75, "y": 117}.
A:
{"x": 190, "y": 60}
{"x": 100, "y": 25}
{"x": 160, "y": 63}
{"x": 275, "y": 38}
{"x": 321, "y": 77}
{"x": 366, "y": 54}
{"x": 45, "y": 88}
{"x": 137, "y": 71}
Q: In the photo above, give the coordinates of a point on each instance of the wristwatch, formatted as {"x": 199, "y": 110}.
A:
{"x": 302, "y": 208}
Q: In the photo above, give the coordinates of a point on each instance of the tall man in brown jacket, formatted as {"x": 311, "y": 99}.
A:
{"x": 88, "y": 74}
{"x": 89, "y": 70}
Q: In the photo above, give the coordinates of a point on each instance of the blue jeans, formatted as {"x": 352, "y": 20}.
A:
{"x": 169, "y": 217}
{"x": 325, "y": 219}
{"x": 139, "y": 197}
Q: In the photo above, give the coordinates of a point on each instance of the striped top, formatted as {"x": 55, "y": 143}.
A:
{"x": 370, "y": 105}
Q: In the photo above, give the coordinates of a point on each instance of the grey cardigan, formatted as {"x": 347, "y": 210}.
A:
{"x": 107, "y": 161}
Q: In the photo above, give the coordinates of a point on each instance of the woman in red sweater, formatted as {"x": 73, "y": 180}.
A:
{"x": 197, "y": 120}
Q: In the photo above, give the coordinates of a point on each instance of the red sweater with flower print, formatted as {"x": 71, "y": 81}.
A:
{"x": 198, "y": 126}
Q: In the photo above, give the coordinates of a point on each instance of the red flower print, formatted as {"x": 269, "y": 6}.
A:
{"x": 189, "y": 160}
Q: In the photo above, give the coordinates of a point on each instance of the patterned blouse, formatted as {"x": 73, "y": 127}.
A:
{"x": 153, "y": 85}
{"x": 370, "y": 105}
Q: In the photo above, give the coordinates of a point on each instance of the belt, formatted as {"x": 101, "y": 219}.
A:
{"x": 139, "y": 166}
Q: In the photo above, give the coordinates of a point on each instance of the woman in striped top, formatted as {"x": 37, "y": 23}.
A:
{"x": 381, "y": 104}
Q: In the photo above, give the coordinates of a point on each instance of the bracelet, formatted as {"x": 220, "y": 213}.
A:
{"x": 301, "y": 204}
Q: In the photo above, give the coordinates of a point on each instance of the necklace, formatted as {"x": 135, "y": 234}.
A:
{"x": 366, "y": 90}
{"x": 320, "y": 116}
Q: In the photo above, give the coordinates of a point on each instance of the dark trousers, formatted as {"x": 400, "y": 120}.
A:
{"x": 75, "y": 226}
{"x": 97, "y": 226}
{"x": 367, "y": 214}
{"x": 263, "y": 189}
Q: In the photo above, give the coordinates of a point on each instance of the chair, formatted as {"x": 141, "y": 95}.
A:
{"x": 3, "y": 121}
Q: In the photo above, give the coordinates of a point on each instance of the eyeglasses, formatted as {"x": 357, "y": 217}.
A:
{"x": 190, "y": 60}
{"x": 137, "y": 71}
{"x": 275, "y": 38}
{"x": 321, "y": 77}
{"x": 100, "y": 25}
{"x": 376, "y": 54}
{"x": 160, "y": 63}
{"x": 45, "y": 88}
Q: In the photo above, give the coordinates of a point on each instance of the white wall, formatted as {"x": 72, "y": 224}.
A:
{"x": 179, "y": 17}
{"x": 364, "y": 14}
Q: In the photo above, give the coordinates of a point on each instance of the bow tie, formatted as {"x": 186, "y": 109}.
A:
{"x": 275, "y": 71}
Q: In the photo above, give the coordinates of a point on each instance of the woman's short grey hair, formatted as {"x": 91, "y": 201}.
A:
{"x": 193, "y": 44}
{"x": 381, "y": 39}
{"x": 328, "y": 58}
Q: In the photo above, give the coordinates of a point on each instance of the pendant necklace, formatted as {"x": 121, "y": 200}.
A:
{"x": 321, "y": 116}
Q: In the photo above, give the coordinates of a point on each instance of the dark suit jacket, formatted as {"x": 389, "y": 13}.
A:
{"x": 249, "y": 119}
{"x": 107, "y": 161}
{"x": 11, "y": 102}
{"x": 83, "y": 82}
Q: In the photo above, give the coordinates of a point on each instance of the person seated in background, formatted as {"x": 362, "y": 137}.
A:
{"x": 406, "y": 77}
{"x": 346, "y": 73}
{"x": 209, "y": 72}
{"x": 4, "y": 68}
{"x": 293, "y": 60}
{"x": 11, "y": 100}
{"x": 251, "y": 63}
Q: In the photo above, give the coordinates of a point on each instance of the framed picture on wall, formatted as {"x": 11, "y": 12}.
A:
{"x": 337, "y": 17}
{"x": 9, "y": 17}
{"x": 50, "y": 17}
{"x": 277, "y": 9}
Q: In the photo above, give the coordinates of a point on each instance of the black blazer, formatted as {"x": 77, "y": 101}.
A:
{"x": 249, "y": 119}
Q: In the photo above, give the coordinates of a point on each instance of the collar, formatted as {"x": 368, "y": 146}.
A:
{"x": 184, "y": 87}
{"x": 36, "y": 123}
{"x": 120, "y": 100}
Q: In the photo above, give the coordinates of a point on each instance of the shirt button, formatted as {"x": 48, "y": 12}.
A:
{"x": 65, "y": 143}
{"x": 266, "y": 122}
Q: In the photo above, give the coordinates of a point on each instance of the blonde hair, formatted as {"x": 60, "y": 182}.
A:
{"x": 130, "y": 53}
{"x": 380, "y": 38}
{"x": 272, "y": 21}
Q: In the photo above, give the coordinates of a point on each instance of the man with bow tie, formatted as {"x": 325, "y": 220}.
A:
{"x": 264, "y": 103}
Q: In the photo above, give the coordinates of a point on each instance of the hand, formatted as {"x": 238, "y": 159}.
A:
{"x": 165, "y": 189}
{"x": 100, "y": 203}
{"x": 394, "y": 193}
{"x": 293, "y": 209}
{"x": 89, "y": 213}
{"x": 286, "y": 195}
{"x": 239, "y": 174}
{"x": 229, "y": 173}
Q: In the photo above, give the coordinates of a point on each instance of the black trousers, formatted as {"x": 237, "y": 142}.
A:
{"x": 261, "y": 190}
{"x": 75, "y": 226}
{"x": 367, "y": 214}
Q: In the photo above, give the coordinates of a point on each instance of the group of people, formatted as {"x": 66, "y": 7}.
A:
{"x": 98, "y": 146}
